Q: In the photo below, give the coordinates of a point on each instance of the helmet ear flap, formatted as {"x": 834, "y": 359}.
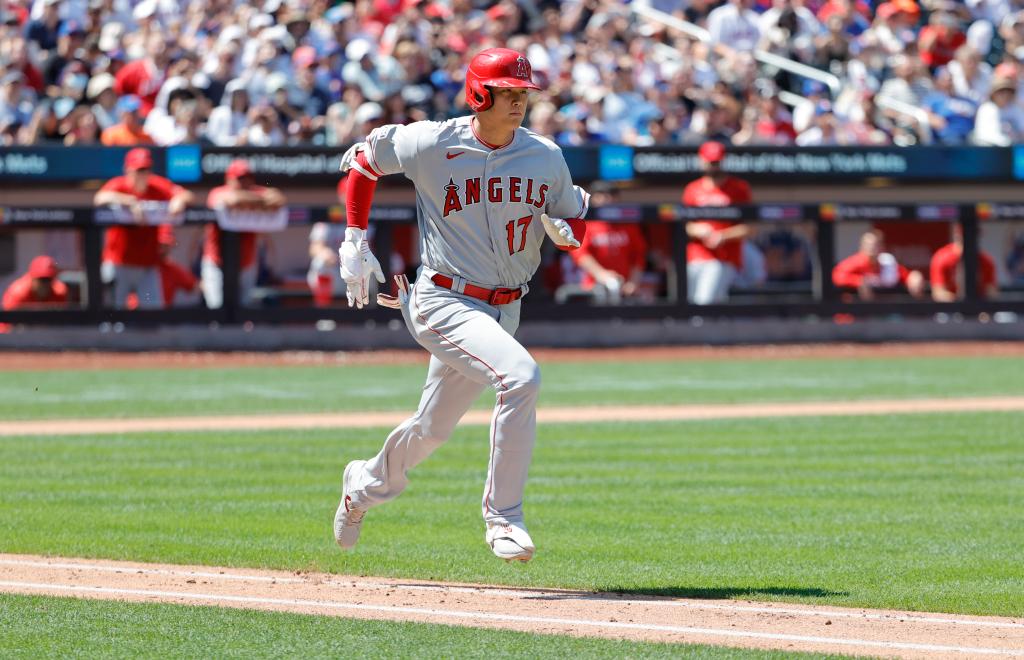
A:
{"x": 478, "y": 97}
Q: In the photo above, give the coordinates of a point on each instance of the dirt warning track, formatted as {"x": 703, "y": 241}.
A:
{"x": 544, "y": 416}
{"x": 633, "y": 617}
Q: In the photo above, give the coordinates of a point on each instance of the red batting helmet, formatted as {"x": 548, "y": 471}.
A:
{"x": 496, "y": 67}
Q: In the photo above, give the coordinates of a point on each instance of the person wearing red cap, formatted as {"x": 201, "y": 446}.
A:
{"x": 714, "y": 254}
{"x": 132, "y": 253}
{"x": 241, "y": 193}
{"x": 37, "y": 288}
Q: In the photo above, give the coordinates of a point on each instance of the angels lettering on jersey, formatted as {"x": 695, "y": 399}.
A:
{"x": 499, "y": 190}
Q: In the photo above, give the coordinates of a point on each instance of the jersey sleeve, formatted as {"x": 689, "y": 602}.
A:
{"x": 392, "y": 149}
{"x": 567, "y": 201}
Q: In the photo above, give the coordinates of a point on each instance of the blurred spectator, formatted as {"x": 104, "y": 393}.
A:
{"x": 735, "y": 26}
{"x": 950, "y": 114}
{"x": 226, "y": 127}
{"x": 871, "y": 269}
{"x": 104, "y": 100}
{"x": 16, "y": 101}
{"x": 766, "y": 122}
{"x": 787, "y": 255}
{"x": 132, "y": 254}
{"x": 947, "y": 272}
{"x": 38, "y": 288}
{"x": 128, "y": 131}
{"x": 144, "y": 77}
{"x": 972, "y": 78}
{"x": 43, "y": 31}
{"x": 238, "y": 194}
{"x": 1000, "y": 120}
{"x": 941, "y": 38}
{"x": 613, "y": 254}
{"x": 714, "y": 254}
{"x": 80, "y": 127}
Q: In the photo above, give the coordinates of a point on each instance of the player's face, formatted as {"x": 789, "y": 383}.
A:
{"x": 509, "y": 105}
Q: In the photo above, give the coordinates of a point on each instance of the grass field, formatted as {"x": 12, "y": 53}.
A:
{"x": 913, "y": 512}
{"x": 135, "y": 393}
{"x": 61, "y": 627}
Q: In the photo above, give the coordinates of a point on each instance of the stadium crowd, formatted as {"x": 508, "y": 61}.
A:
{"x": 277, "y": 72}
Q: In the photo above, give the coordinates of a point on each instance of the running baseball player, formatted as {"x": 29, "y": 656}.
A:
{"x": 487, "y": 193}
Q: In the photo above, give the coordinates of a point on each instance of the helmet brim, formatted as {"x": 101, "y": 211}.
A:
{"x": 506, "y": 83}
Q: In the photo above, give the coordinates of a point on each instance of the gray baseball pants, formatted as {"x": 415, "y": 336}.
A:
{"x": 471, "y": 347}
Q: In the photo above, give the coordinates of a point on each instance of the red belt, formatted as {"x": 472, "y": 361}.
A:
{"x": 493, "y": 296}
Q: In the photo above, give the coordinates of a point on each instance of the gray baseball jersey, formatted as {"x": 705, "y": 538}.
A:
{"x": 478, "y": 208}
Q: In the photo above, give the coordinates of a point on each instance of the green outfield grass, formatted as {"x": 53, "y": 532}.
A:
{"x": 248, "y": 390}
{"x": 916, "y": 512}
{"x": 34, "y": 627}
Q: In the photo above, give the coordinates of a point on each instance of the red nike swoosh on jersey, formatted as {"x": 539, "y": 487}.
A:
{"x": 450, "y": 155}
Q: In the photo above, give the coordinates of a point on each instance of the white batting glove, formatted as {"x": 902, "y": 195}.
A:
{"x": 399, "y": 301}
{"x": 349, "y": 156}
{"x": 357, "y": 265}
{"x": 559, "y": 231}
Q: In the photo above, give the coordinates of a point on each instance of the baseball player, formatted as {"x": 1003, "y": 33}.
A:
{"x": 487, "y": 193}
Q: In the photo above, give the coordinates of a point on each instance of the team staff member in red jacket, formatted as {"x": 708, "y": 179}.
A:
{"x": 239, "y": 192}
{"x": 870, "y": 268}
{"x": 612, "y": 254}
{"x": 131, "y": 254}
{"x": 714, "y": 255}
{"x": 37, "y": 288}
{"x": 946, "y": 272}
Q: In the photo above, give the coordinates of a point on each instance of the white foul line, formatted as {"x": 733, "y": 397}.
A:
{"x": 458, "y": 614}
{"x": 498, "y": 591}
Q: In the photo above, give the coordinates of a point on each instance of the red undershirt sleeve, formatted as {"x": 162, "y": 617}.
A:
{"x": 359, "y": 188}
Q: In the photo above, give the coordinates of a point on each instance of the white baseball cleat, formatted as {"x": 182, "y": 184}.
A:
{"x": 510, "y": 541}
{"x": 348, "y": 520}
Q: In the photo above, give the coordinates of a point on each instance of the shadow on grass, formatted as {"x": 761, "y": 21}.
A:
{"x": 716, "y": 593}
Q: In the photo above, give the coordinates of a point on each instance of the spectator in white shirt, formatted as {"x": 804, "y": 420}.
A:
{"x": 228, "y": 120}
{"x": 971, "y": 76}
{"x": 1000, "y": 121}
{"x": 735, "y": 25}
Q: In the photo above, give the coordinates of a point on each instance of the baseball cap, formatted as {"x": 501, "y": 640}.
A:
{"x": 138, "y": 159}
{"x": 712, "y": 152}
{"x": 42, "y": 266}
{"x": 237, "y": 169}
{"x": 128, "y": 103}
{"x": 368, "y": 111}
{"x": 100, "y": 83}
{"x": 304, "y": 56}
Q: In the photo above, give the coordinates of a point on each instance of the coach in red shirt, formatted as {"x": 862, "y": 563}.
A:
{"x": 946, "y": 271}
{"x": 613, "y": 254}
{"x": 239, "y": 192}
{"x": 131, "y": 254}
{"x": 870, "y": 268}
{"x": 714, "y": 255}
{"x": 38, "y": 288}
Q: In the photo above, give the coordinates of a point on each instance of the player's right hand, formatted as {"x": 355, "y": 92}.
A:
{"x": 397, "y": 301}
{"x": 357, "y": 265}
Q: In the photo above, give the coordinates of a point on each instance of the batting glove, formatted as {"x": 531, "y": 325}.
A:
{"x": 559, "y": 231}
{"x": 357, "y": 265}
{"x": 399, "y": 301}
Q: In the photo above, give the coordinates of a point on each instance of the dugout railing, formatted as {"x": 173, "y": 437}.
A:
{"x": 825, "y": 300}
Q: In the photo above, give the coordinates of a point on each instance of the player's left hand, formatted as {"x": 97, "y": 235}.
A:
{"x": 357, "y": 266}
{"x": 559, "y": 231}
{"x": 398, "y": 301}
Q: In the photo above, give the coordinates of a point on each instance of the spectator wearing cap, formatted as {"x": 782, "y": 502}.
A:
{"x": 144, "y": 77}
{"x": 823, "y": 130}
{"x": 100, "y": 93}
{"x": 264, "y": 127}
{"x": 871, "y": 269}
{"x": 613, "y": 254}
{"x": 128, "y": 131}
{"x": 940, "y": 39}
{"x": 714, "y": 254}
{"x": 227, "y": 122}
{"x": 38, "y": 288}
{"x": 1000, "y": 120}
{"x": 132, "y": 254}
{"x": 893, "y": 28}
{"x": 239, "y": 193}
{"x": 950, "y": 115}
